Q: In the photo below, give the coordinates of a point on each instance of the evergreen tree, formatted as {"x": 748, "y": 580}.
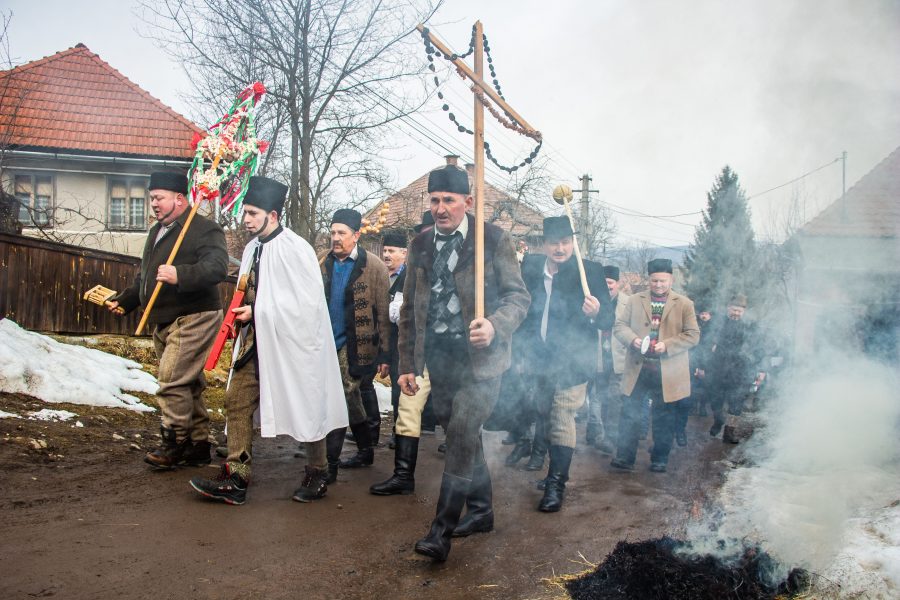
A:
{"x": 722, "y": 259}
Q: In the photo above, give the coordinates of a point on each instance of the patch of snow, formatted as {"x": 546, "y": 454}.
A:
{"x": 6, "y": 415}
{"x": 39, "y": 366}
{"x": 46, "y": 414}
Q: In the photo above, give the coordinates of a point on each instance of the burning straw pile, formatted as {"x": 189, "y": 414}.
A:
{"x": 654, "y": 569}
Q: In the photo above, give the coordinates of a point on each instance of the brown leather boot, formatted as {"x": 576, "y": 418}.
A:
{"x": 170, "y": 451}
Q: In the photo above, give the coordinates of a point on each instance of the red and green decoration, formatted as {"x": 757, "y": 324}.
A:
{"x": 233, "y": 151}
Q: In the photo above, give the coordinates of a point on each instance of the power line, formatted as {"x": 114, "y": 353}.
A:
{"x": 817, "y": 169}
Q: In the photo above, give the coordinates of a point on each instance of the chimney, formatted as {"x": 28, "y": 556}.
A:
{"x": 451, "y": 159}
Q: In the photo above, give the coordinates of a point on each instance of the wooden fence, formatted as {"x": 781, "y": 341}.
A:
{"x": 42, "y": 284}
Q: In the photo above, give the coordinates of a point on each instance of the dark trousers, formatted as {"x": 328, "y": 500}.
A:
{"x": 461, "y": 403}
{"x": 685, "y": 406}
{"x": 634, "y": 408}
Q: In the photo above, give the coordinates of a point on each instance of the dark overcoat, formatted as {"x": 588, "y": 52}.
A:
{"x": 201, "y": 264}
{"x": 505, "y": 299}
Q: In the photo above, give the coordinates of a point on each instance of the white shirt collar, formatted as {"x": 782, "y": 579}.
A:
{"x": 463, "y": 228}
{"x": 354, "y": 254}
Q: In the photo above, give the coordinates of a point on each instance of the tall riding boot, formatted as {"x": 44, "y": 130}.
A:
{"x": 451, "y": 500}
{"x": 403, "y": 480}
{"x": 538, "y": 447}
{"x": 334, "y": 443}
{"x": 730, "y": 436}
{"x": 365, "y": 454}
{"x": 373, "y": 414}
{"x": 557, "y": 476}
{"x": 170, "y": 452}
{"x": 479, "y": 505}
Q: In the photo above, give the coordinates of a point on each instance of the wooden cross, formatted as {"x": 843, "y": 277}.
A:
{"x": 477, "y": 78}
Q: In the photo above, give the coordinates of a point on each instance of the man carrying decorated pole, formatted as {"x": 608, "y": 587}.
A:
{"x": 466, "y": 355}
{"x": 186, "y": 317}
{"x": 559, "y": 340}
{"x": 356, "y": 289}
{"x": 284, "y": 363}
{"x": 659, "y": 327}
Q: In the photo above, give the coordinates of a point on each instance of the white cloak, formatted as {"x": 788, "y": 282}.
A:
{"x": 300, "y": 389}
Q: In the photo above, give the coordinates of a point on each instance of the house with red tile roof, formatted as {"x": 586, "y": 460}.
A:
{"x": 78, "y": 141}
{"x": 406, "y": 206}
{"x": 848, "y": 285}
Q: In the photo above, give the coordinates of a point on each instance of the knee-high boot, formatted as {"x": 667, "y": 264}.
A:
{"x": 365, "y": 453}
{"x": 334, "y": 443}
{"x": 451, "y": 500}
{"x": 479, "y": 505}
{"x": 403, "y": 480}
{"x": 373, "y": 414}
{"x": 538, "y": 446}
{"x": 558, "y": 475}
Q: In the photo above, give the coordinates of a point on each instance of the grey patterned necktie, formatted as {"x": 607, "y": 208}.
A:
{"x": 444, "y": 301}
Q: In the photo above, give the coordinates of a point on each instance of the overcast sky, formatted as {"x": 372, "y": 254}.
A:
{"x": 651, "y": 98}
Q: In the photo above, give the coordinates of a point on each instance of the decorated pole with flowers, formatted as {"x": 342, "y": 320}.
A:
{"x": 234, "y": 151}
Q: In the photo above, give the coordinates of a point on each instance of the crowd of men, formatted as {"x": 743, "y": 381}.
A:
{"x": 557, "y": 338}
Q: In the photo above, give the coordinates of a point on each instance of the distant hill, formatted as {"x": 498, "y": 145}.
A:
{"x": 674, "y": 253}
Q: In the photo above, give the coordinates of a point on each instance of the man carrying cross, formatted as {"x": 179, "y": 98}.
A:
{"x": 466, "y": 356}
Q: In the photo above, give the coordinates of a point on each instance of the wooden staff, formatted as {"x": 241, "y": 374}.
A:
{"x": 477, "y": 79}
{"x": 479, "y": 177}
{"x": 175, "y": 248}
{"x": 562, "y": 194}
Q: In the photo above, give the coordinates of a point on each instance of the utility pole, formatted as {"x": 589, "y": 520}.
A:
{"x": 844, "y": 183}
{"x": 586, "y": 233}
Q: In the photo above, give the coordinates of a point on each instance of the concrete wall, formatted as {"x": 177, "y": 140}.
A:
{"x": 81, "y": 191}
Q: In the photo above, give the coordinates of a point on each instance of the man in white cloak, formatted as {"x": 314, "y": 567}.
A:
{"x": 284, "y": 362}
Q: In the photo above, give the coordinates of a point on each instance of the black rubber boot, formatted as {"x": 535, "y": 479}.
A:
{"x": 479, "y": 516}
{"x": 198, "y": 454}
{"x": 522, "y": 449}
{"x": 170, "y": 452}
{"x": 452, "y": 498}
{"x": 403, "y": 480}
{"x": 538, "y": 447}
{"x": 373, "y": 415}
{"x": 334, "y": 443}
{"x": 557, "y": 476}
{"x": 592, "y": 432}
{"x": 718, "y": 422}
{"x": 365, "y": 454}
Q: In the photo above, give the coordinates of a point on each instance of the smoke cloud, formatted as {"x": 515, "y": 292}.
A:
{"x": 821, "y": 476}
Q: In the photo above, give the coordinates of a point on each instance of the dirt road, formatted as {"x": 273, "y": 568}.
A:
{"x": 85, "y": 518}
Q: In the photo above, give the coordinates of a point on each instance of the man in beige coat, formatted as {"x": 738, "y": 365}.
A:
{"x": 658, "y": 327}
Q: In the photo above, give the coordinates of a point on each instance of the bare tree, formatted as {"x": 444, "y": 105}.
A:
{"x": 333, "y": 69}
{"x": 599, "y": 240}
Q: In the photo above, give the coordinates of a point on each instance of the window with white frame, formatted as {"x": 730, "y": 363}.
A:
{"x": 127, "y": 204}
{"x": 35, "y": 196}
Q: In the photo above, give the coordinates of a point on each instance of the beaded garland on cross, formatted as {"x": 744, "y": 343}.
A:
{"x": 508, "y": 121}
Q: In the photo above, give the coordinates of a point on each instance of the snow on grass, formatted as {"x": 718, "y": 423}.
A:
{"x": 38, "y": 366}
{"x": 46, "y": 414}
{"x": 8, "y": 415}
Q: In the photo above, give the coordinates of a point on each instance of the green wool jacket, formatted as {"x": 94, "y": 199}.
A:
{"x": 201, "y": 264}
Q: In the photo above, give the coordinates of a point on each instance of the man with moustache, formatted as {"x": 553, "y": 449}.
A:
{"x": 466, "y": 356}
{"x": 606, "y": 394}
{"x": 284, "y": 363}
{"x": 356, "y": 289}
{"x": 185, "y": 317}
{"x": 659, "y": 327}
{"x": 559, "y": 341}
